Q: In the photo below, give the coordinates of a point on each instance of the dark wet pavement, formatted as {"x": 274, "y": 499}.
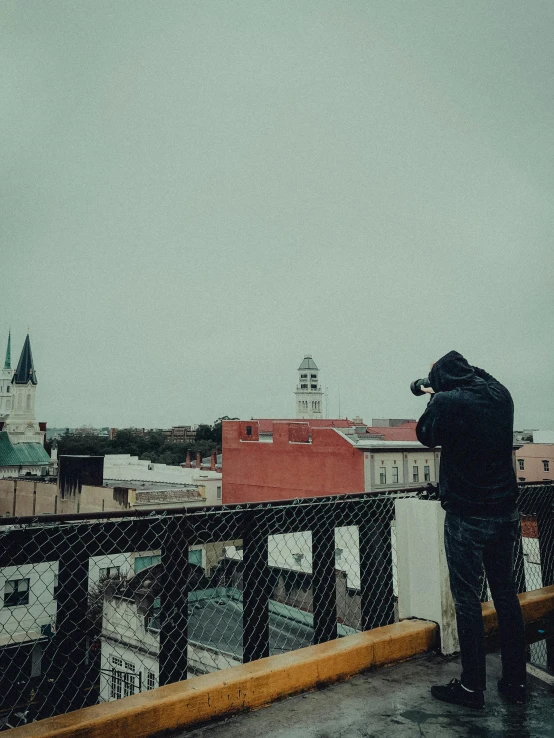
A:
{"x": 394, "y": 701}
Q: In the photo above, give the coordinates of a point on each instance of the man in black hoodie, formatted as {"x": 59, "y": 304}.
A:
{"x": 470, "y": 416}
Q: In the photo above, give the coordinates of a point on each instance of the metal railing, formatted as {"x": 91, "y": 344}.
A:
{"x": 98, "y": 607}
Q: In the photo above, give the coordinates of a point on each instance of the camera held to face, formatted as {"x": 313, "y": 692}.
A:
{"x": 417, "y": 384}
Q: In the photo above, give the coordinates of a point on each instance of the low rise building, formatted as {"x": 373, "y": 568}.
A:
{"x": 132, "y": 470}
{"x": 301, "y": 459}
{"x": 23, "y": 459}
{"x": 535, "y": 462}
{"x": 181, "y": 434}
{"x": 132, "y": 621}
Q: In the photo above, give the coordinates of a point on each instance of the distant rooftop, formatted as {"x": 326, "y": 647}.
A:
{"x": 405, "y": 431}
{"x": 168, "y": 495}
{"x": 265, "y": 425}
{"x": 141, "y": 486}
{"x": 21, "y": 454}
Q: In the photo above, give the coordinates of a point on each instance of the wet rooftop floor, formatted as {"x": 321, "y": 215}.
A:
{"x": 395, "y": 702}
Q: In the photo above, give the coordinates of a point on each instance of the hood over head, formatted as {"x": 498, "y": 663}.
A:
{"x": 451, "y": 371}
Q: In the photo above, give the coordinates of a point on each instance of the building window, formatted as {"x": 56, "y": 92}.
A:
{"x": 248, "y": 430}
{"x": 144, "y": 562}
{"x": 129, "y": 679}
{"x": 28, "y": 403}
{"x": 303, "y": 386}
{"x": 303, "y": 376}
{"x": 116, "y": 683}
{"x": 521, "y": 463}
{"x": 382, "y": 475}
{"x": 123, "y": 678}
{"x": 16, "y": 592}
{"x": 150, "y": 680}
{"x": 545, "y": 465}
{"x": 219, "y": 493}
{"x": 427, "y": 473}
{"x": 110, "y": 572}
{"x": 313, "y": 376}
{"x": 8, "y": 389}
{"x": 415, "y": 474}
{"x": 395, "y": 475}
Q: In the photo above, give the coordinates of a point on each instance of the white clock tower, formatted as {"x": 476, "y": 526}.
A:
{"x": 309, "y": 395}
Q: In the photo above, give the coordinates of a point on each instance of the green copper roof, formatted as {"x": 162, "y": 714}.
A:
{"x": 8, "y": 362}
{"x": 307, "y": 363}
{"x": 21, "y": 454}
{"x": 25, "y": 371}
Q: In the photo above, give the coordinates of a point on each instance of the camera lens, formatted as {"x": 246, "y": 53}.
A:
{"x": 416, "y": 385}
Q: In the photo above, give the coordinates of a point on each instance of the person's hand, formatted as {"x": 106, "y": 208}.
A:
{"x": 427, "y": 390}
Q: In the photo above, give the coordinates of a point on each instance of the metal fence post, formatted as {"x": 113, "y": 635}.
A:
{"x": 324, "y": 582}
{"x": 173, "y": 660}
{"x": 545, "y": 527}
{"x": 255, "y": 589}
{"x": 376, "y": 584}
{"x": 519, "y": 564}
{"x": 66, "y": 655}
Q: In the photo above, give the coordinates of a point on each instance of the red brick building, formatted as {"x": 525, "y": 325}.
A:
{"x": 286, "y": 459}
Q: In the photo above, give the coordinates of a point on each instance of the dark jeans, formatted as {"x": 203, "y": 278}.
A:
{"x": 470, "y": 543}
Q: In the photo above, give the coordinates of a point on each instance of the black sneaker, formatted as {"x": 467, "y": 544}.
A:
{"x": 516, "y": 693}
{"x": 454, "y": 692}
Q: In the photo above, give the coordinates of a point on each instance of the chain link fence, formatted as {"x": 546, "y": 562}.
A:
{"x": 98, "y": 608}
{"x": 535, "y": 560}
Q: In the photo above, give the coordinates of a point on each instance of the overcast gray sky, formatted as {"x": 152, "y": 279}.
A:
{"x": 194, "y": 194}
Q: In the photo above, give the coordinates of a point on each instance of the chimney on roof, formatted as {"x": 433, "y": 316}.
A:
{"x": 198, "y": 460}
{"x": 188, "y": 462}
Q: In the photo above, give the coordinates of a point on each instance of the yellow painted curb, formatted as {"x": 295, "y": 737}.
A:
{"x": 535, "y": 605}
{"x": 245, "y": 687}
{"x": 240, "y": 688}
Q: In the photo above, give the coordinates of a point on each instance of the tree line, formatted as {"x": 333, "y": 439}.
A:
{"x": 150, "y": 445}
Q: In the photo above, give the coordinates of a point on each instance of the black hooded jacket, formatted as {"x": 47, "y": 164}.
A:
{"x": 471, "y": 418}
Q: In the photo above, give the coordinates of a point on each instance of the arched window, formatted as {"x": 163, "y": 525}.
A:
{"x": 19, "y": 402}
{"x": 28, "y": 403}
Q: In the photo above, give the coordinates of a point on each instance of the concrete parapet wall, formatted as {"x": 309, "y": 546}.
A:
{"x": 21, "y": 497}
{"x": 25, "y": 498}
{"x": 240, "y": 688}
{"x": 253, "y": 685}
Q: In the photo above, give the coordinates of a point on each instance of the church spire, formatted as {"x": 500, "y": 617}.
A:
{"x": 25, "y": 371}
{"x": 8, "y": 362}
